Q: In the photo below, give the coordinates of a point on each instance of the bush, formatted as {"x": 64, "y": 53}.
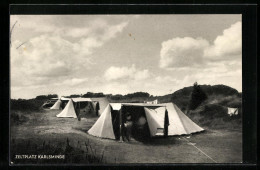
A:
{"x": 46, "y": 97}
{"x": 90, "y": 94}
{"x": 26, "y": 105}
{"x": 16, "y": 117}
{"x": 214, "y": 111}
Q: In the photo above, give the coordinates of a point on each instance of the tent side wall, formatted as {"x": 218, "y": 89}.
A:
{"x": 189, "y": 125}
{"x": 180, "y": 124}
{"x": 103, "y": 126}
{"x": 56, "y": 105}
{"x": 176, "y": 127}
{"x": 68, "y": 111}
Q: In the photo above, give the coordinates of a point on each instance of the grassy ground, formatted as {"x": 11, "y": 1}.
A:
{"x": 44, "y": 129}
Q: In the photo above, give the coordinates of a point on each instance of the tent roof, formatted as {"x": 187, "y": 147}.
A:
{"x": 143, "y": 104}
{"x": 81, "y": 99}
{"x": 117, "y": 106}
{"x": 64, "y": 98}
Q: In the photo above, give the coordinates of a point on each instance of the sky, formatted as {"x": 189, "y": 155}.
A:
{"x": 121, "y": 54}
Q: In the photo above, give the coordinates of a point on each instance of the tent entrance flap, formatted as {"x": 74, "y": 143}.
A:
{"x": 155, "y": 118}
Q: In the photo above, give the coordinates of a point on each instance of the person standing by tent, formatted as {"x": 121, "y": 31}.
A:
{"x": 97, "y": 108}
{"x": 128, "y": 127}
{"x": 166, "y": 123}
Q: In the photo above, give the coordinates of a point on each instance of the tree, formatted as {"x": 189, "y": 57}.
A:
{"x": 90, "y": 94}
{"x": 46, "y": 97}
{"x": 197, "y": 97}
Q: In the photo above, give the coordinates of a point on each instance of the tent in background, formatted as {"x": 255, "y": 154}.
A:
{"x": 56, "y": 105}
{"x": 80, "y": 105}
{"x": 179, "y": 123}
{"x": 232, "y": 111}
{"x": 103, "y": 102}
{"x": 68, "y": 111}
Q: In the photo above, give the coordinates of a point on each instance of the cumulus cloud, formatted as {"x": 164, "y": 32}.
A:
{"x": 182, "y": 52}
{"x": 226, "y": 46}
{"x": 115, "y": 73}
{"x": 48, "y": 56}
{"x": 52, "y": 54}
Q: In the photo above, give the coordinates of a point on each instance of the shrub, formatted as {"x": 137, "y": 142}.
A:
{"x": 26, "y": 105}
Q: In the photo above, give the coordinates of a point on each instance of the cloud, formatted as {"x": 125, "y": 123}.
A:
{"x": 179, "y": 53}
{"x": 58, "y": 25}
{"x": 200, "y": 61}
{"x": 52, "y": 55}
{"x": 226, "y": 46}
{"x": 182, "y": 52}
{"x": 115, "y": 73}
{"x": 167, "y": 79}
{"x": 47, "y": 56}
{"x": 72, "y": 82}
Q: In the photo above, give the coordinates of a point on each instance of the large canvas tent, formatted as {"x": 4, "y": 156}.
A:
{"x": 108, "y": 124}
{"x": 75, "y": 106}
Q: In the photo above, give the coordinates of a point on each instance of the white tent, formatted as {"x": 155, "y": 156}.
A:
{"x": 232, "y": 111}
{"x": 68, "y": 111}
{"x": 179, "y": 123}
{"x": 103, "y": 126}
{"x": 56, "y": 105}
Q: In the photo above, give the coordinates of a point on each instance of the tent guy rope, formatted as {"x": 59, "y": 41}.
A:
{"x": 201, "y": 151}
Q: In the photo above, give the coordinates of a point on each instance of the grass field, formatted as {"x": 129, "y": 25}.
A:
{"x": 43, "y": 133}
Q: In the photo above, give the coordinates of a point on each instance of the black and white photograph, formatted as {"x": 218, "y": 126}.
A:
{"x": 125, "y": 89}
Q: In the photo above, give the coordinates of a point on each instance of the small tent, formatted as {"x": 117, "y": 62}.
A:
{"x": 232, "y": 111}
{"x": 68, "y": 111}
{"x": 75, "y": 106}
{"x": 155, "y": 115}
{"x": 56, "y": 105}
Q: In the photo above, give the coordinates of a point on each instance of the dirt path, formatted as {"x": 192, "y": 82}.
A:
{"x": 220, "y": 145}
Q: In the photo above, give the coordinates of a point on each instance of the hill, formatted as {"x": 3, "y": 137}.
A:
{"x": 213, "y": 111}
{"x": 217, "y": 94}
